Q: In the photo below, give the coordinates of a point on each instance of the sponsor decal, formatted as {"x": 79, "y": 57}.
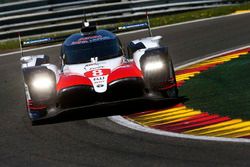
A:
{"x": 37, "y": 41}
{"x": 90, "y": 39}
{"x": 138, "y": 25}
{"x": 99, "y": 79}
{"x": 94, "y": 66}
{"x": 100, "y": 85}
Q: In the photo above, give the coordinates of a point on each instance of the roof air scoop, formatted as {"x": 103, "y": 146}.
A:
{"x": 85, "y": 24}
{"x": 86, "y": 28}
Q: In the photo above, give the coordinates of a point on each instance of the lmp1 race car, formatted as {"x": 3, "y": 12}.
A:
{"x": 94, "y": 70}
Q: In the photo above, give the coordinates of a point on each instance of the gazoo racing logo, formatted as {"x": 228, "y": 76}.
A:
{"x": 99, "y": 79}
{"x": 94, "y": 66}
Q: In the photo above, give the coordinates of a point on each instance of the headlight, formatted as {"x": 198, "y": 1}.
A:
{"x": 153, "y": 66}
{"x": 42, "y": 82}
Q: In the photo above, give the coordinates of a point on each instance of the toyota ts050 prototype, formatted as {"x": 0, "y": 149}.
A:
{"x": 94, "y": 70}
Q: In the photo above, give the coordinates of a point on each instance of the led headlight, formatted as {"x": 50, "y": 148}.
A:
{"x": 153, "y": 66}
{"x": 42, "y": 82}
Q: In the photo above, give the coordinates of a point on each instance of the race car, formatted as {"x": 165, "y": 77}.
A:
{"x": 95, "y": 70}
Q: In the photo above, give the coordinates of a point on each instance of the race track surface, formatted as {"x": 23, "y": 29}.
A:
{"x": 90, "y": 139}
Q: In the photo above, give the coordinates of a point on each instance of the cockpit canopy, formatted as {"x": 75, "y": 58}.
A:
{"x": 80, "y": 48}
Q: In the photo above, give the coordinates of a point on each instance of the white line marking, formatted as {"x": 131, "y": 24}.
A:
{"x": 213, "y": 56}
{"x": 124, "y": 122}
{"x": 131, "y": 32}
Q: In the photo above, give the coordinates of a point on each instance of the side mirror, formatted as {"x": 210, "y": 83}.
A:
{"x": 132, "y": 48}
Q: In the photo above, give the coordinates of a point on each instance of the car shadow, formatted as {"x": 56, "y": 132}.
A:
{"x": 110, "y": 110}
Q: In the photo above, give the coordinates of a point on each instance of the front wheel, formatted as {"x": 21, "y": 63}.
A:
{"x": 158, "y": 72}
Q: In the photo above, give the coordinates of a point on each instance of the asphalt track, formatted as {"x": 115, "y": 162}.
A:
{"x": 90, "y": 139}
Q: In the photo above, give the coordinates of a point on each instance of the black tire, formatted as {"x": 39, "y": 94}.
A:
{"x": 153, "y": 79}
{"x": 157, "y": 80}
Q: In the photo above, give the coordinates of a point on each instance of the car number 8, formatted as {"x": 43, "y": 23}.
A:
{"x": 97, "y": 73}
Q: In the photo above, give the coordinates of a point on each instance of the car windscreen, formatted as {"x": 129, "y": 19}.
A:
{"x": 82, "y": 53}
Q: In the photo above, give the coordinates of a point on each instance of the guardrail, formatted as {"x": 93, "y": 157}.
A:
{"x": 101, "y": 14}
{"x": 42, "y": 5}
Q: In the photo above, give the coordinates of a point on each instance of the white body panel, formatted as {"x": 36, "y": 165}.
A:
{"x": 80, "y": 69}
{"x": 53, "y": 68}
{"x": 30, "y": 61}
{"x": 97, "y": 71}
{"x": 149, "y": 42}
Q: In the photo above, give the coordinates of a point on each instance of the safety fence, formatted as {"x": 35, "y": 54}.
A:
{"x": 36, "y": 17}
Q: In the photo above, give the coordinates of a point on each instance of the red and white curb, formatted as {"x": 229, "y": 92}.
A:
{"x": 188, "y": 123}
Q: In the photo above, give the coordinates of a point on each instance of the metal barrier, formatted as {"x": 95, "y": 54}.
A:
{"x": 105, "y": 13}
{"x": 41, "y": 5}
{"x": 21, "y": 5}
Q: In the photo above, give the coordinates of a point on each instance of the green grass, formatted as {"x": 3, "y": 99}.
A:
{"x": 11, "y": 44}
{"x": 14, "y": 43}
{"x": 158, "y": 21}
{"x": 199, "y": 14}
{"x": 223, "y": 90}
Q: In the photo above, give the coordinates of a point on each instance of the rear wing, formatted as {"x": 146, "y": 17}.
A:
{"x": 86, "y": 28}
{"x": 135, "y": 26}
{"x": 49, "y": 40}
{"x": 131, "y": 27}
{"x": 42, "y": 41}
